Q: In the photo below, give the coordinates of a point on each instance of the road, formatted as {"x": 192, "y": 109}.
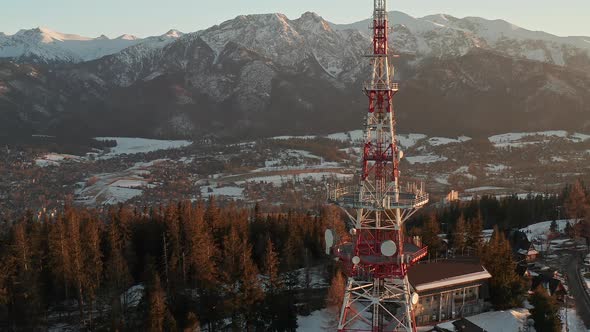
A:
{"x": 577, "y": 289}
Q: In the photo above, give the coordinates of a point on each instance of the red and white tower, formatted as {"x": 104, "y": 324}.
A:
{"x": 378, "y": 296}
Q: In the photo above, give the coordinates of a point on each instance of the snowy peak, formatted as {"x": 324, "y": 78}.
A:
{"x": 173, "y": 33}
{"x": 44, "y": 45}
{"x": 127, "y": 37}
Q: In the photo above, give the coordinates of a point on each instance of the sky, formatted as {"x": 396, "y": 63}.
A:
{"x": 154, "y": 17}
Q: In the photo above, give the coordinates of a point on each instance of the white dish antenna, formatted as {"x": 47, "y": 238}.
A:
{"x": 356, "y": 260}
{"x": 415, "y": 298}
{"x": 329, "y": 237}
{"x": 400, "y": 154}
{"x": 388, "y": 248}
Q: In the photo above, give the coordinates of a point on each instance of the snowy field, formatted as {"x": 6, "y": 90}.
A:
{"x": 55, "y": 159}
{"x": 540, "y": 230}
{"x": 231, "y": 192}
{"x": 425, "y": 159}
{"x": 438, "y": 141}
{"x": 131, "y": 145}
{"x": 515, "y": 139}
{"x": 118, "y": 187}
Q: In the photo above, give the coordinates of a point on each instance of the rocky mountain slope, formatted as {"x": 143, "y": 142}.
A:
{"x": 260, "y": 75}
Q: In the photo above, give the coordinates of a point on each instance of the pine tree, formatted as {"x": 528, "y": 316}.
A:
{"x": 575, "y": 200}
{"x": 545, "y": 311}
{"x": 460, "y": 236}
{"x": 430, "y": 237}
{"x": 474, "y": 234}
{"x": 271, "y": 268}
{"x": 117, "y": 274}
{"x": 92, "y": 257}
{"x": 241, "y": 279}
{"x": 59, "y": 256}
{"x": 334, "y": 300}
{"x": 76, "y": 274}
{"x": 157, "y": 306}
{"x": 506, "y": 288}
{"x": 24, "y": 293}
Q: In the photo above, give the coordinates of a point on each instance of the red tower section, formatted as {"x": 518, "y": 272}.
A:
{"x": 378, "y": 295}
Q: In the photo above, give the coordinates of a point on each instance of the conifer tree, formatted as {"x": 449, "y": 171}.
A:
{"x": 92, "y": 257}
{"x": 430, "y": 237}
{"x": 76, "y": 275}
{"x": 545, "y": 311}
{"x": 576, "y": 204}
{"x": 271, "y": 268}
{"x": 506, "y": 288}
{"x": 460, "y": 236}
{"x": 474, "y": 234}
{"x": 59, "y": 256}
{"x": 157, "y": 306}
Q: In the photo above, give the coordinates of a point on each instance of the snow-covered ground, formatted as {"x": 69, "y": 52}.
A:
{"x": 574, "y": 322}
{"x": 425, "y": 159}
{"x": 484, "y": 188}
{"x": 541, "y": 229}
{"x": 230, "y": 191}
{"x": 348, "y": 136}
{"x": 131, "y": 145}
{"x": 515, "y": 139}
{"x": 279, "y": 179}
{"x": 317, "y": 321}
{"x": 55, "y": 159}
{"x": 438, "y": 141}
{"x": 118, "y": 187}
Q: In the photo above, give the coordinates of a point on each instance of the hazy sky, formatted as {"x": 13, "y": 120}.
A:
{"x": 153, "y": 17}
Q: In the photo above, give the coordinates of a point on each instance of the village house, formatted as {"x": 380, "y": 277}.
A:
{"x": 448, "y": 290}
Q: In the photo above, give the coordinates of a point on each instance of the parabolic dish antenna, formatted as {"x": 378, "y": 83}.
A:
{"x": 329, "y": 237}
{"x": 356, "y": 260}
{"x": 415, "y": 298}
{"x": 388, "y": 248}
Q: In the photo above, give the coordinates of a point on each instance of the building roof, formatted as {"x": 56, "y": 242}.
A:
{"x": 445, "y": 274}
{"x": 465, "y": 325}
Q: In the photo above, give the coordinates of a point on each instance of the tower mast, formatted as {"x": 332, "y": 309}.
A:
{"x": 378, "y": 296}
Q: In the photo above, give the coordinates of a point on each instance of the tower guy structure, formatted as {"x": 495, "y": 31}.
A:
{"x": 378, "y": 297}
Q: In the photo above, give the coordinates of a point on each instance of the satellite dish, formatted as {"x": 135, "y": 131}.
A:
{"x": 400, "y": 154}
{"x": 353, "y": 231}
{"x": 388, "y": 248}
{"x": 329, "y": 237}
{"x": 415, "y": 298}
{"x": 356, "y": 260}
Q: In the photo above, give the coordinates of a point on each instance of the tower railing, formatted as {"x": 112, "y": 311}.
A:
{"x": 380, "y": 86}
{"x": 353, "y": 197}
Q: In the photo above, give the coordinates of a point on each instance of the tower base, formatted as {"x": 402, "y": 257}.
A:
{"x": 379, "y": 305}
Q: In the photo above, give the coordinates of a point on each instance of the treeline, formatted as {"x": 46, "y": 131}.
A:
{"x": 197, "y": 264}
{"x": 76, "y": 144}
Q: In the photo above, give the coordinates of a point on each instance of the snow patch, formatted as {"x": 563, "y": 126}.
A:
{"x": 425, "y": 159}
{"x": 438, "y": 141}
{"x": 131, "y": 145}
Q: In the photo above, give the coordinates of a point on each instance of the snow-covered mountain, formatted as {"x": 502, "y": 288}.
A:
{"x": 267, "y": 74}
{"x": 43, "y": 45}
{"x": 447, "y": 36}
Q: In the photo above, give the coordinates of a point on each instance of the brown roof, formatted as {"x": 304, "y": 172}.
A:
{"x": 426, "y": 273}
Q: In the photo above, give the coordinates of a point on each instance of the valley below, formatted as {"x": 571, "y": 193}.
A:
{"x": 285, "y": 171}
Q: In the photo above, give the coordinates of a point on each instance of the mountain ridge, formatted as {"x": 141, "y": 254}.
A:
{"x": 260, "y": 75}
